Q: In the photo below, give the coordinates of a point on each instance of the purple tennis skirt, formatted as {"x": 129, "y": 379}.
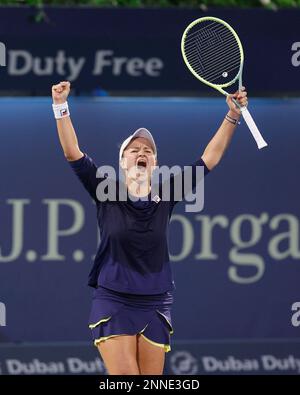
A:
{"x": 116, "y": 313}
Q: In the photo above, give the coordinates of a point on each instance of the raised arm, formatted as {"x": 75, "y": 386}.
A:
{"x": 66, "y": 132}
{"x": 218, "y": 144}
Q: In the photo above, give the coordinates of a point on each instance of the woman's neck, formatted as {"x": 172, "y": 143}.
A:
{"x": 138, "y": 189}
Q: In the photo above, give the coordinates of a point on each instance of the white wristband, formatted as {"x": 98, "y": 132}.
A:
{"x": 61, "y": 110}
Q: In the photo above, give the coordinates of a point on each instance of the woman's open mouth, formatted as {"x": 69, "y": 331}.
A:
{"x": 141, "y": 164}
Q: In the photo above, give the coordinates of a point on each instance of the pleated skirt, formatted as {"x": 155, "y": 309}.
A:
{"x": 116, "y": 313}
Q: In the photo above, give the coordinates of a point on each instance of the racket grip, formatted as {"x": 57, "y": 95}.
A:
{"x": 253, "y": 128}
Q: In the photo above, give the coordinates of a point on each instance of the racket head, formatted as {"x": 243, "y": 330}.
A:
{"x": 213, "y": 52}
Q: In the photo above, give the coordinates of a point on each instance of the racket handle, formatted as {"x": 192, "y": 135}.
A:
{"x": 251, "y": 125}
{"x": 253, "y": 128}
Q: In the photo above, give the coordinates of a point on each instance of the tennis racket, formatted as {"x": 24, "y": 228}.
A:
{"x": 214, "y": 54}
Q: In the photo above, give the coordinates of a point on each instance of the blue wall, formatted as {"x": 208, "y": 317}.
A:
{"x": 238, "y": 281}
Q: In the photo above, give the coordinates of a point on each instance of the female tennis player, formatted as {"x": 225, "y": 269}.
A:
{"x": 130, "y": 315}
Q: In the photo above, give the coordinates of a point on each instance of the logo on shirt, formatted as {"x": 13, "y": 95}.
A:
{"x": 156, "y": 199}
{"x": 64, "y": 112}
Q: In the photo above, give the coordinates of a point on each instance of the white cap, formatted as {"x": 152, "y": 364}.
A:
{"x": 141, "y": 132}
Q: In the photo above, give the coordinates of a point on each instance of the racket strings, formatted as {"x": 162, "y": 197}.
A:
{"x": 225, "y": 40}
{"x": 197, "y": 62}
{"x": 216, "y": 76}
{"x": 206, "y": 56}
{"x": 213, "y": 52}
{"x": 190, "y": 41}
{"x": 217, "y": 68}
{"x": 198, "y": 56}
{"x": 215, "y": 25}
{"x": 196, "y": 53}
{"x": 223, "y": 44}
{"x": 214, "y": 40}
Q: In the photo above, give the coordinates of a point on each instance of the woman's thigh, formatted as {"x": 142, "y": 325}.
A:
{"x": 150, "y": 358}
{"x": 119, "y": 355}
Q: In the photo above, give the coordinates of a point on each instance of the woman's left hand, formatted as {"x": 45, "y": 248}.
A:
{"x": 240, "y": 97}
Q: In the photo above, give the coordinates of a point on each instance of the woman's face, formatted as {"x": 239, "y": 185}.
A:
{"x": 139, "y": 160}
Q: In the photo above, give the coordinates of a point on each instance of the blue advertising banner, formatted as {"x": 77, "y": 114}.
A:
{"x": 236, "y": 263}
{"x": 196, "y": 358}
{"x": 126, "y": 50}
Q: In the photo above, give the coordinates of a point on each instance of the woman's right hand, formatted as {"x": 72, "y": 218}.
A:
{"x": 60, "y": 92}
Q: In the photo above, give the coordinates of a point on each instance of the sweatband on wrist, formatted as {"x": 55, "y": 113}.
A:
{"x": 61, "y": 110}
